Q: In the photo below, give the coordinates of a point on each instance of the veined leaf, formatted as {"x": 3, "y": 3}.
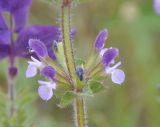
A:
{"x": 95, "y": 86}
{"x": 67, "y": 99}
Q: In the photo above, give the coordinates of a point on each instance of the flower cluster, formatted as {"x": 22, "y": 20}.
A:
{"x": 41, "y": 63}
{"x": 45, "y": 89}
{"x": 107, "y": 57}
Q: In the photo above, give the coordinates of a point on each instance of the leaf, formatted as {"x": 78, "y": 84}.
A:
{"x": 67, "y": 99}
{"x": 87, "y": 92}
{"x": 58, "y": 93}
{"x": 95, "y": 86}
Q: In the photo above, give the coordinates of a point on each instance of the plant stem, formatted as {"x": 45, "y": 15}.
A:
{"x": 11, "y": 78}
{"x": 11, "y": 95}
{"x": 67, "y": 44}
{"x": 79, "y": 103}
{"x": 80, "y": 112}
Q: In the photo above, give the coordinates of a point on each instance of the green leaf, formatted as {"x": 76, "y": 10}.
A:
{"x": 58, "y": 93}
{"x": 95, "y": 86}
{"x": 67, "y": 99}
{"x": 87, "y": 92}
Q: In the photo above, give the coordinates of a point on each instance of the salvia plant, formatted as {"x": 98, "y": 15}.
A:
{"x": 71, "y": 79}
{"x": 52, "y": 55}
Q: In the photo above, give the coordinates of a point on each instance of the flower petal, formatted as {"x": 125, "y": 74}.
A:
{"x": 49, "y": 84}
{"x": 109, "y": 56}
{"x": 109, "y": 69}
{"x": 20, "y": 18}
{"x": 4, "y": 32}
{"x": 4, "y": 50}
{"x": 4, "y": 5}
{"x": 13, "y": 5}
{"x": 45, "y": 92}
{"x": 102, "y": 52}
{"x": 48, "y": 72}
{"x": 38, "y": 47}
{"x": 31, "y": 71}
{"x": 45, "y": 33}
{"x": 118, "y": 76}
{"x": 101, "y": 38}
{"x": 156, "y": 5}
{"x": 19, "y": 10}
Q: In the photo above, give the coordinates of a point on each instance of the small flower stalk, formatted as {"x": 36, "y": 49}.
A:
{"x": 71, "y": 79}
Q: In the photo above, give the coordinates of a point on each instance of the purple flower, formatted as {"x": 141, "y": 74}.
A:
{"x": 48, "y": 72}
{"x": 18, "y": 9}
{"x": 45, "y": 89}
{"x": 47, "y": 35}
{"x": 80, "y": 73}
{"x": 107, "y": 56}
{"x": 13, "y": 71}
{"x": 156, "y": 5}
{"x": 117, "y": 75}
{"x": 33, "y": 67}
{"x": 4, "y": 32}
{"x": 38, "y": 47}
{"x": 4, "y": 50}
{"x": 101, "y": 38}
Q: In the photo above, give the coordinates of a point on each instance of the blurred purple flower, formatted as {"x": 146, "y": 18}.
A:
{"x": 18, "y": 10}
{"x": 107, "y": 56}
{"x": 156, "y": 4}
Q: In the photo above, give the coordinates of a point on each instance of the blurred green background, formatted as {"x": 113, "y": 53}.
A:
{"x": 134, "y": 28}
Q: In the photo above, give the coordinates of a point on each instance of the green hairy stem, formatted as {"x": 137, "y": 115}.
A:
{"x": 79, "y": 103}
{"x": 67, "y": 44}
{"x": 80, "y": 112}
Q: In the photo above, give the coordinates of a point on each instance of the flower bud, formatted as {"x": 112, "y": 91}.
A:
{"x": 80, "y": 73}
{"x": 13, "y": 71}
